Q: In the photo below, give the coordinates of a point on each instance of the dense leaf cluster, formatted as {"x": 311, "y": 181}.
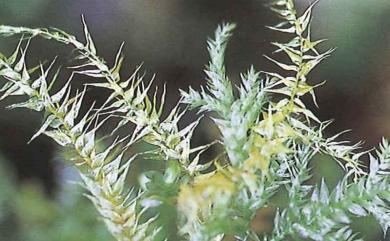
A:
{"x": 268, "y": 134}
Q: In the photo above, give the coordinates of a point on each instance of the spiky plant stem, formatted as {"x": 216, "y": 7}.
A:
{"x": 133, "y": 100}
{"x": 103, "y": 176}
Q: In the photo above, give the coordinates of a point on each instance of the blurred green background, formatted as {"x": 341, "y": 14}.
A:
{"x": 37, "y": 202}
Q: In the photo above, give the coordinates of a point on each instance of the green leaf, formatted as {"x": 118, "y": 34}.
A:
{"x": 44, "y": 126}
{"x": 89, "y": 45}
{"x": 60, "y": 137}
